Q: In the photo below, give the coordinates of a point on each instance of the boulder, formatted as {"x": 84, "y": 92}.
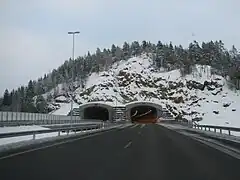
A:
{"x": 212, "y": 83}
{"x": 210, "y": 88}
{"x": 178, "y": 117}
{"x": 178, "y": 100}
{"x": 197, "y": 119}
{"x": 226, "y": 104}
{"x": 215, "y": 93}
{"x": 184, "y": 113}
{"x": 195, "y": 85}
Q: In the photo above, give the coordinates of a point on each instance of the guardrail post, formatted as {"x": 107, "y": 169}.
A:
{"x": 36, "y": 121}
{"x": 229, "y": 132}
{"x": 221, "y": 131}
{"x": 7, "y": 117}
{"x": 205, "y": 128}
{"x": 215, "y": 130}
{"x": 34, "y": 136}
{"x": 28, "y": 116}
{"x": 58, "y": 133}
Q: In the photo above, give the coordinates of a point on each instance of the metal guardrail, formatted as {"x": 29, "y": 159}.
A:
{"x": 215, "y": 128}
{"x": 59, "y": 130}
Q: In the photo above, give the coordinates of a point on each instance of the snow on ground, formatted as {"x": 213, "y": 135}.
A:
{"x": 226, "y": 116}
{"x": 59, "y": 88}
{"x": 65, "y": 108}
{"x": 93, "y": 79}
{"x": 21, "y": 128}
{"x": 61, "y": 98}
{"x": 4, "y": 141}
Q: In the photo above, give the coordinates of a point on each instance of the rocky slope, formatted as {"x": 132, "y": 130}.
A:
{"x": 200, "y": 96}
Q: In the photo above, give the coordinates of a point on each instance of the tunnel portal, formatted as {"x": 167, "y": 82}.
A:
{"x": 143, "y": 114}
{"x": 98, "y": 113}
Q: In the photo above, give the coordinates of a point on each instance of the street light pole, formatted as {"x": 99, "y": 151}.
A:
{"x": 73, "y": 34}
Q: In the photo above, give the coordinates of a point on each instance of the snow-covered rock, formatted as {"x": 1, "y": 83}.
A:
{"x": 62, "y": 99}
{"x": 192, "y": 97}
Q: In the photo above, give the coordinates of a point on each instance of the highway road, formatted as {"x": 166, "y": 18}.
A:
{"x": 137, "y": 152}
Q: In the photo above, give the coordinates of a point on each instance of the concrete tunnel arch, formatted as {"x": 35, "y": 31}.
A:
{"x": 96, "y": 110}
{"x": 132, "y": 105}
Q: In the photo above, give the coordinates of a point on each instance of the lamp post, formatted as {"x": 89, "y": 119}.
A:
{"x": 73, "y": 34}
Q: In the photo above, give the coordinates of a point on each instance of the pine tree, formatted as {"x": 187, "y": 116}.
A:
{"x": 126, "y": 50}
{"x": 6, "y": 98}
{"x": 119, "y": 55}
{"x": 233, "y": 53}
{"x": 144, "y": 46}
{"x": 15, "y": 101}
{"x": 113, "y": 50}
{"x": 41, "y": 104}
{"x": 160, "y": 55}
{"x": 136, "y": 49}
{"x": 29, "y": 102}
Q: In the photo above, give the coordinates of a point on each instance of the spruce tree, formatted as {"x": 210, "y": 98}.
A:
{"x": 6, "y": 98}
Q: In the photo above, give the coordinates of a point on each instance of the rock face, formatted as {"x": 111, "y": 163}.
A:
{"x": 196, "y": 85}
{"x": 178, "y": 100}
{"x": 197, "y": 119}
{"x": 192, "y": 97}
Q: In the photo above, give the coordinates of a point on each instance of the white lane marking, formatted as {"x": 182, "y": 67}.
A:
{"x": 52, "y": 145}
{"x": 142, "y": 125}
{"x": 128, "y": 144}
{"x": 127, "y": 125}
{"x": 134, "y": 126}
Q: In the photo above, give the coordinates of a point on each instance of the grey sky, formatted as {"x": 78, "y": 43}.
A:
{"x": 34, "y": 40}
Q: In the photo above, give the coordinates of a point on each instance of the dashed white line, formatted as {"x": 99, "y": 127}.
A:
{"x": 128, "y": 144}
{"x": 142, "y": 125}
{"x": 134, "y": 126}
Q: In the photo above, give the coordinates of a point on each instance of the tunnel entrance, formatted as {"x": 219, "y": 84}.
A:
{"x": 143, "y": 114}
{"x": 99, "y": 113}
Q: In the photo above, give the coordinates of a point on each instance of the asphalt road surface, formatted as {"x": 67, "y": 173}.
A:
{"x": 138, "y": 152}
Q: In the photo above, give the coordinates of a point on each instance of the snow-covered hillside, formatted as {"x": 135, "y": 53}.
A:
{"x": 200, "y": 96}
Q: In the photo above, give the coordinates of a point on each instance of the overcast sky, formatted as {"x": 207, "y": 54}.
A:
{"x": 34, "y": 39}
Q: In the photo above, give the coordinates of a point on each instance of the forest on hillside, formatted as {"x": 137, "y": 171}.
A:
{"x": 225, "y": 62}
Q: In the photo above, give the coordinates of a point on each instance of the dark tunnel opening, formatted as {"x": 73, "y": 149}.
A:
{"x": 143, "y": 114}
{"x": 98, "y": 113}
